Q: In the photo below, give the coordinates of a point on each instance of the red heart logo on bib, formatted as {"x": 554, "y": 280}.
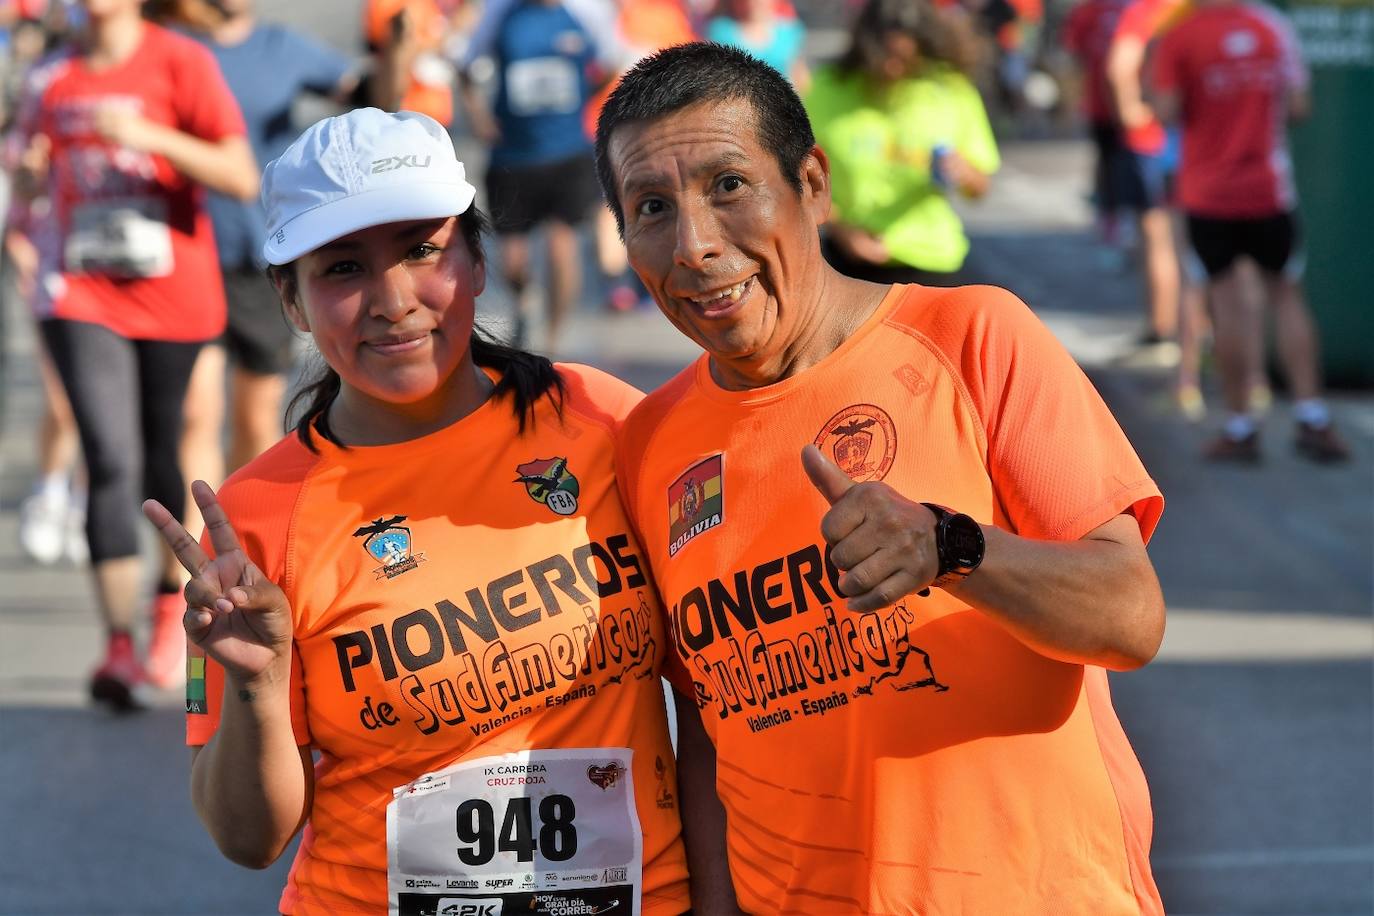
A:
{"x": 605, "y": 777}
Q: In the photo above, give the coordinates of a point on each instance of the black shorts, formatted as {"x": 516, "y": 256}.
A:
{"x": 1271, "y": 241}
{"x": 521, "y": 197}
{"x": 258, "y": 337}
{"x": 1124, "y": 179}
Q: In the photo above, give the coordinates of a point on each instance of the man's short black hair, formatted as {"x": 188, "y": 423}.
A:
{"x": 681, "y": 76}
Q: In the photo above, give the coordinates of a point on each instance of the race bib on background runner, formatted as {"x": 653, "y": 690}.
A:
{"x": 538, "y": 833}
{"x": 542, "y": 86}
{"x": 127, "y": 237}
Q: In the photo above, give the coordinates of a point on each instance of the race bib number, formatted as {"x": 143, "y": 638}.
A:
{"x": 127, "y": 238}
{"x": 542, "y": 86}
{"x": 432, "y": 70}
{"x": 538, "y": 833}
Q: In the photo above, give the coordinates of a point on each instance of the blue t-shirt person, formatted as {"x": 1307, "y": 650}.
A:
{"x": 780, "y": 51}
{"x": 266, "y": 72}
{"x": 543, "y": 55}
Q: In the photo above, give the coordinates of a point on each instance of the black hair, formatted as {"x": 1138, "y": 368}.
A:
{"x": 524, "y": 377}
{"x": 940, "y": 36}
{"x": 681, "y": 76}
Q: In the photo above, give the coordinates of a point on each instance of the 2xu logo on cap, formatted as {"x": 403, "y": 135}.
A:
{"x": 391, "y": 163}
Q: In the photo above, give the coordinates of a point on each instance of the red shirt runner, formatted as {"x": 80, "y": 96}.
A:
{"x": 1232, "y": 67}
{"x": 1088, "y": 36}
{"x": 134, "y": 250}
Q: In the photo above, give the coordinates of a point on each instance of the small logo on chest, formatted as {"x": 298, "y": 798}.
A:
{"x": 862, "y": 440}
{"x": 696, "y": 503}
{"x": 389, "y": 542}
{"x": 548, "y": 481}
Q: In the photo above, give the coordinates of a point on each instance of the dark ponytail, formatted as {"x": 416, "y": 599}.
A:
{"x": 524, "y": 377}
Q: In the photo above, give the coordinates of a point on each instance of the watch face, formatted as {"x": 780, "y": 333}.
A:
{"x": 964, "y": 539}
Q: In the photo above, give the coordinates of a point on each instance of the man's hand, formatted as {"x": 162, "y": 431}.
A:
{"x": 234, "y": 612}
{"x": 882, "y": 543}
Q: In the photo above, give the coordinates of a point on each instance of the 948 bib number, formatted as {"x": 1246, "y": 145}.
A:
{"x": 539, "y": 832}
{"x": 557, "y": 839}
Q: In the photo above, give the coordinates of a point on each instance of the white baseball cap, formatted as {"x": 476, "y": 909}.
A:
{"x": 364, "y": 168}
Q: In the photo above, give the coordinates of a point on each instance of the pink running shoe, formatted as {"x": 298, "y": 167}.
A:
{"x": 167, "y": 649}
{"x": 119, "y": 680}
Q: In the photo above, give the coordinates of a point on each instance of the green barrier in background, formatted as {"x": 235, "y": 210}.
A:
{"x": 1333, "y": 156}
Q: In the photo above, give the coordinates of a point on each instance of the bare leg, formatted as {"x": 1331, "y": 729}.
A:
{"x": 256, "y": 415}
{"x": 610, "y": 251}
{"x": 119, "y": 591}
{"x": 515, "y": 266}
{"x": 1235, "y": 325}
{"x": 202, "y": 449}
{"x": 1296, "y": 337}
{"x": 58, "y": 442}
{"x": 1192, "y": 328}
{"x": 565, "y": 279}
{"x": 1161, "y": 271}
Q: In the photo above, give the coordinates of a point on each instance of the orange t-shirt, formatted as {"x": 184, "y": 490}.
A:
{"x": 431, "y": 85}
{"x": 917, "y": 759}
{"x": 459, "y": 599}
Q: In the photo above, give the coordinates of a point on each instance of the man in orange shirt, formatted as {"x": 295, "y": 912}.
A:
{"x": 891, "y": 648}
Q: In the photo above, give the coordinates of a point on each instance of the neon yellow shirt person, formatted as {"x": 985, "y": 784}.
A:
{"x": 879, "y": 141}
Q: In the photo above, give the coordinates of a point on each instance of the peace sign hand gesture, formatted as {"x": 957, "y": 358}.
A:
{"x": 234, "y": 613}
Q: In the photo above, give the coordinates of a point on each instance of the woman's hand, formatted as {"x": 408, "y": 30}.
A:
{"x": 234, "y": 613}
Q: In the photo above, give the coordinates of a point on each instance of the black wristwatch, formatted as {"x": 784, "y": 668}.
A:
{"x": 958, "y": 544}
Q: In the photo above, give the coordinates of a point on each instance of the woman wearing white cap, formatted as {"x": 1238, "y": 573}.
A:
{"x": 431, "y": 582}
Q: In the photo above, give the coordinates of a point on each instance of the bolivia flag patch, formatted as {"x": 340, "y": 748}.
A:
{"x": 696, "y": 502}
{"x": 195, "y": 683}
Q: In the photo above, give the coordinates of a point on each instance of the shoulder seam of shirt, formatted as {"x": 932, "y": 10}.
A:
{"x": 656, "y": 406}
{"x": 947, "y": 363}
{"x": 317, "y": 464}
{"x": 572, "y": 406}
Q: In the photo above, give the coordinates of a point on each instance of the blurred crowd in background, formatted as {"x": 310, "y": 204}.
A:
{"x": 909, "y": 107}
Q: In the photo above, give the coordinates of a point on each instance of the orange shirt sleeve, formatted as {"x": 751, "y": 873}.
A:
{"x": 1059, "y": 462}
{"x": 260, "y": 501}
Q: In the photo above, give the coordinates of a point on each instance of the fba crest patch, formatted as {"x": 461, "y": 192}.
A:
{"x": 696, "y": 502}
{"x": 548, "y": 481}
{"x": 862, "y": 441}
{"x": 389, "y": 542}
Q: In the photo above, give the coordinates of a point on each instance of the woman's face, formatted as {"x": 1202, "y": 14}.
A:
{"x": 103, "y": 9}
{"x": 391, "y": 308}
{"x": 900, "y": 57}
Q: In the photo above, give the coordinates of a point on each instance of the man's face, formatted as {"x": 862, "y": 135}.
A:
{"x": 720, "y": 237}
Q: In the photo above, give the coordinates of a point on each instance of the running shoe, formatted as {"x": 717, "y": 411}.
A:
{"x": 167, "y": 649}
{"x": 1151, "y": 351}
{"x": 43, "y": 525}
{"x": 623, "y": 298}
{"x": 1321, "y": 444}
{"x": 1190, "y": 403}
{"x": 76, "y": 546}
{"x": 1234, "y": 451}
{"x": 119, "y": 680}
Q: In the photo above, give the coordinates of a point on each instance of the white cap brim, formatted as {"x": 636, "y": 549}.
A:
{"x": 390, "y": 204}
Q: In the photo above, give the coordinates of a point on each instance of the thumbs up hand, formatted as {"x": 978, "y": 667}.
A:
{"x": 882, "y": 543}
